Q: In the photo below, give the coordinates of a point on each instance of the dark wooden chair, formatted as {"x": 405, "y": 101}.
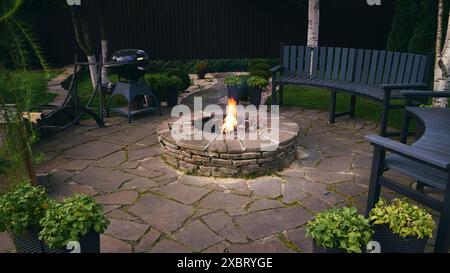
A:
{"x": 426, "y": 161}
{"x": 377, "y": 75}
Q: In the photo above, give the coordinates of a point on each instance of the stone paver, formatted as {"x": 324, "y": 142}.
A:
{"x": 261, "y": 224}
{"x": 163, "y": 214}
{"x": 153, "y": 208}
{"x": 197, "y": 236}
{"x": 126, "y": 230}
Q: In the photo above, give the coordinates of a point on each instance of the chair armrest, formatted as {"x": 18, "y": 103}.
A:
{"x": 404, "y": 86}
{"x": 410, "y": 152}
{"x": 276, "y": 69}
{"x": 425, "y": 94}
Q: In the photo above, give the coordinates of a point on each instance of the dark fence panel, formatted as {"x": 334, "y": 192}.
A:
{"x": 187, "y": 29}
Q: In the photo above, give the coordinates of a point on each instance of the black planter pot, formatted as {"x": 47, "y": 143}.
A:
{"x": 244, "y": 91}
{"x": 321, "y": 249}
{"x": 233, "y": 92}
{"x": 255, "y": 96}
{"x": 29, "y": 242}
{"x": 172, "y": 97}
{"x": 393, "y": 243}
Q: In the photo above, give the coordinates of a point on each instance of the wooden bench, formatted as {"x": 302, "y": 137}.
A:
{"x": 426, "y": 161}
{"x": 373, "y": 74}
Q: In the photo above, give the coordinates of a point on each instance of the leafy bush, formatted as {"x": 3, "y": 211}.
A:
{"x": 72, "y": 219}
{"x": 340, "y": 228}
{"x": 403, "y": 219}
{"x": 201, "y": 68}
{"x": 234, "y": 81}
{"x": 22, "y": 208}
{"x": 260, "y": 73}
{"x": 161, "y": 83}
{"x": 183, "y": 75}
{"x": 257, "y": 82}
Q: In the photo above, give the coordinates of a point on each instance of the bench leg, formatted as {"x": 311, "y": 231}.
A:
{"x": 352, "y": 106}
{"x": 281, "y": 91}
{"x": 405, "y": 128}
{"x": 443, "y": 232}
{"x": 332, "y": 114}
{"x": 377, "y": 172}
{"x": 274, "y": 94}
{"x": 385, "y": 113}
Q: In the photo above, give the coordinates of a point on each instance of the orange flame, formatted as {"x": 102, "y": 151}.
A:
{"x": 230, "y": 121}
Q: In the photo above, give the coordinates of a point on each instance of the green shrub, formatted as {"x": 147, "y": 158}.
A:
{"x": 22, "y": 208}
{"x": 161, "y": 83}
{"x": 234, "y": 81}
{"x": 340, "y": 228}
{"x": 403, "y": 219}
{"x": 183, "y": 75}
{"x": 261, "y": 73}
{"x": 257, "y": 82}
{"x": 70, "y": 220}
{"x": 201, "y": 68}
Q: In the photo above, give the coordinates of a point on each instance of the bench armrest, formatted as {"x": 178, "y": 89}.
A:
{"x": 410, "y": 152}
{"x": 276, "y": 69}
{"x": 425, "y": 94}
{"x": 404, "y": 86}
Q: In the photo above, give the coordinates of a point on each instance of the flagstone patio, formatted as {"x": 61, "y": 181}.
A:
{"x": 154, "y": 208}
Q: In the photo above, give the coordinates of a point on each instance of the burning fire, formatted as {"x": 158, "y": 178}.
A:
{"x": 230, "y": 121}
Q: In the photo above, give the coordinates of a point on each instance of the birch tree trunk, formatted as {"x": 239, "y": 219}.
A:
{"x": 84, "y": 41}
{"x": 104, "y": 42}
{"x": 442, "y": 65}
{"x": 313, "y": 23}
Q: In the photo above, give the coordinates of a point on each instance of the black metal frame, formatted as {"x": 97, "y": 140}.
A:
{"x": 386, "y": 101}
{"x": 70, "y": 107}
{"x": 421, "y": 157}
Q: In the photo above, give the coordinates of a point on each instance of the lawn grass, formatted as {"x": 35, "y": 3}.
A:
{"x": 317, "y": 98}
{"x": 18, "y": 86}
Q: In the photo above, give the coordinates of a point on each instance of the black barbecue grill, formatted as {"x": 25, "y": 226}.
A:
{"x": 129, "y": 65}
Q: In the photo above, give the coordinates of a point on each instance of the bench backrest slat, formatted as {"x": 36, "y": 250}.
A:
{"x": 286, "y": 58}
{"x": 415, "y": 69}
{"x": 293, "y": 61}
{"x": 408, "y": 69}
{"x": 351, "y": 65}
{"x": 394, "y": 68}
{"x": 315, "y": 62}
{"x": 307, "y": 69}
{"x": 366, "y": 67}
{"x": 401, "y": 68}
{"x": 359, "y": 65}
{"x": 330, "y": 56}
{"x": 422, "y": 70}
{"x": 387, "y": 68}
{"x": 344, "y": 60}
{"x": 323, "y": 56}
{"x": 337, "y": 61}
{"x": 373, "y": 67}
{"x": 381, "y": 59}
{"x": 300, "y": 60}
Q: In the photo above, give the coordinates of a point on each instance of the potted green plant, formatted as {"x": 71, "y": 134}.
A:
{"x": 172, "y": 86}
{"x": 165, "y": 87}
{"x": 234, "y": 85}
{"x": 21, "y": 209}
{"x": 244, "y": 90}
{"x": 256, "y": 84}
{"x": 78, "y": 218}
{"x": 401, "y": 227}
{"x": 340, "y": 230}
{"x": 201, "y": 68}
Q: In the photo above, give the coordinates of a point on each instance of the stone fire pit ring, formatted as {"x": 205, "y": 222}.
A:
{"x": 223, "y": 157}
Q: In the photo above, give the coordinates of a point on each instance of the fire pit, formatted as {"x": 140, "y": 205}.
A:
{"x": 228, "y": 146}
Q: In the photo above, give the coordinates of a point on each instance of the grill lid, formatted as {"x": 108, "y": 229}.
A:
{"x": 129, "y": 56}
